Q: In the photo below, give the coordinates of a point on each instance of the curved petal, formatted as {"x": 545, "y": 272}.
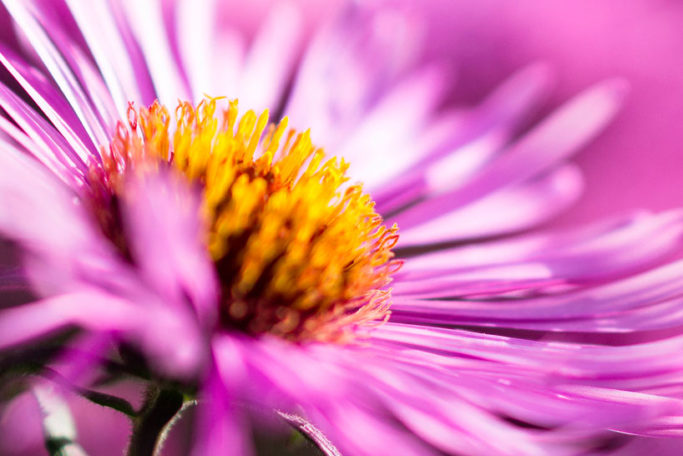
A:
{"x": 561, "y": 134}
{"x": 110, "y": 41}
{"x": 645, "y": 302}
{"x": 512, "y": 209}
{"x": 270, "y": 59}
{"x": 164, "y": 224}
{"x": 218, "y": 425}
{"x": 471, "y": 140}
{"x": 148, "y": 27}
{"x": 59, "y": 70}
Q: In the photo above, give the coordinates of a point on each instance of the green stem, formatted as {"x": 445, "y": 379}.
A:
{"x": 107, "y": 400}
{"x": 103, "y": 399}
{"x": 160, "y": 407}
{"x": 163, "y": 435}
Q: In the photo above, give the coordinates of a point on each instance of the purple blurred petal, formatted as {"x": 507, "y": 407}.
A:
{"x": 59, "y": 70}
{"x": 511, "y": 209}
{"x": 51, "y": 103}
{"x": 88, "y": 309}
{"x": 401, "y": 115}
{"x": 556, "y": 137}
{"x": 117, "y": 56}
{"x": 270, "y": 59}
{"x": 474, "y": 139}
{"x": 28, "y": 209}
{"x": 197, "y": 33}
{"x": 218, "y": 427}
{"x": 147, "y": 25}
{"x": 346, "y": 65}
{"x": 163, "y": 220}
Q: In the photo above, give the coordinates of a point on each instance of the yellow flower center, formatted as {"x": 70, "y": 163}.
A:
{"x": 300, "y": 252}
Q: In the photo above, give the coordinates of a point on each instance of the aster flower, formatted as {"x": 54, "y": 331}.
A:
{"x": 224, "y": 258}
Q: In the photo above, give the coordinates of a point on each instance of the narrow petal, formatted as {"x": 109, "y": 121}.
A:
{"x": 196, "y": 35}
{"x": 475, "y": 137}
{"x": 52, "y": 150}
{"x": 511, "y": 209}
{"x": 114, "y": 50}
{"x": 59, "y": 70}
{"x": 147, "y": 24}
{"x": 269, "y": 62}
{"x": 51, "y": 103}
{"x": 622, "y": 243}
{"x": 553, "y": 140}
{"x": 644, "y": 302}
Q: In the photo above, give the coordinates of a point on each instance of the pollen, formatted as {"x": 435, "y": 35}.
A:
{"x": 299, "y": 250}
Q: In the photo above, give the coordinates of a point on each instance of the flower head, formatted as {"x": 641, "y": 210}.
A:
{"x": 225, "y": 259}
{"x": 295, "y": 253}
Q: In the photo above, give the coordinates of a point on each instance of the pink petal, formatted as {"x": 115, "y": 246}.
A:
{"x": 559, "y": 135}
{"x": 511, "y": 209}
{"x": 163, "y": 221}
{"x": 270, "y": 59}
{"x": 59, "y": 70}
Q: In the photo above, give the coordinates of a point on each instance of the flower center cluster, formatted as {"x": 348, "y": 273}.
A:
{"x": 300, "y": 252}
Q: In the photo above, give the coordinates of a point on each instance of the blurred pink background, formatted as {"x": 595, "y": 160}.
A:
{"x": 638, "y": 162}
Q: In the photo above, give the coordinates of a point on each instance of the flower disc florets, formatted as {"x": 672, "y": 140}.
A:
{"x": 299, "y": 252}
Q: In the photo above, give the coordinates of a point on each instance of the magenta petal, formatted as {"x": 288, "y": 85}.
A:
{"x": 92, "y": 310}
{"x": 218, "y": 427}
{"x": 643, "y": 302}
{"x": 483, "y": 281}
{"x": 45, "y": 143}
{"x": 59, "y": 70}
{"x": 269, "y": 61}
{"x": 163, "y": 220}
{"x": 618, "y": 246}
{"x": 28, "y": 209}
{"x": 512, "y": 209}
{"x": 558, "y": 136}
{"x": 148, "y": 28}
{"x": 51, "y": 103}
{"x": 473, "y": 140}
{"x": 115, "y": 52}
{"x": 358, "y": 432}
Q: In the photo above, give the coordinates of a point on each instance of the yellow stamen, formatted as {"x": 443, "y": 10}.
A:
{"x": 300, "y": 252}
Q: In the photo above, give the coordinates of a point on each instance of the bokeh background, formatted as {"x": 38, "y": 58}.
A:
{"x": 636, "y": 163}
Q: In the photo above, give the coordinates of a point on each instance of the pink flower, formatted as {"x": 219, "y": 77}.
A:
{"x": 220, "y": 260}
